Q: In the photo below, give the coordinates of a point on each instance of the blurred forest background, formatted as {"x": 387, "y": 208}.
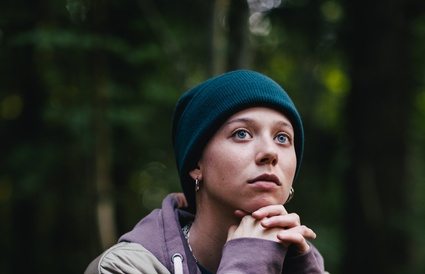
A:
{"x": 87, "y": 90}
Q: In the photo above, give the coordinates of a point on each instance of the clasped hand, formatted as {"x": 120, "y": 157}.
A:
{"x": 273, "y": 223}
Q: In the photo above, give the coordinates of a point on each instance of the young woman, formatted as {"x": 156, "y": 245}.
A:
{"x": 238, "y": 142}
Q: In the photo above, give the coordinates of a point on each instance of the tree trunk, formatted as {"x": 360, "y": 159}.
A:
{"x": 237, "y": 50}
{"x": 218, "y": 42}
{"x": 105, "y": 209}
{"x": 377, "y": 40}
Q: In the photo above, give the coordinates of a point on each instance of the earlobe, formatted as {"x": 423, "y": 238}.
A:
{"x": 196, "y": 173}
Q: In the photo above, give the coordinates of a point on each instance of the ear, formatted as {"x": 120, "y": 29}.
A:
{"x": 196, "y": 173}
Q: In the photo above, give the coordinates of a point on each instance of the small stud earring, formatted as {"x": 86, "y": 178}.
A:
{"x": 291, "y": 195}
{"x": 196, "y": 185}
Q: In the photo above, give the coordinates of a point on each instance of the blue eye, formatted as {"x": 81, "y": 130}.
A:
{"x": 241, "y": 134}
{"x": 282, "y": 138}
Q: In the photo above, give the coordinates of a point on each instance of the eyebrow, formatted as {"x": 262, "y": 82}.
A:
{"x": 252, "y": 121}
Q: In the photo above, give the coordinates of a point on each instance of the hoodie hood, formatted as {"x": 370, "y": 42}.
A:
{"x": 160, "y": 232}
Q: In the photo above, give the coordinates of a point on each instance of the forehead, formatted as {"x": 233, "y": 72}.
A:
{"x": 259, "y": 114}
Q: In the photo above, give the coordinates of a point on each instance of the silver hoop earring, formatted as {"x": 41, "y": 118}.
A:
{"x": 196, "y": 185}
{"x": 291, "y": 195}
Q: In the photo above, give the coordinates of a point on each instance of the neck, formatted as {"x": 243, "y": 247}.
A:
{"x": 208, "y": 235}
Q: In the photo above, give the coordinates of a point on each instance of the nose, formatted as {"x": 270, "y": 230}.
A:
{"x": 267, "y": 154}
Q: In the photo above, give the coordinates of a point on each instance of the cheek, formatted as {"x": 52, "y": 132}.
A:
{"x": 291, "y": 165}
{"x": 221, "y": 163}
{"x": 288, "y": 163}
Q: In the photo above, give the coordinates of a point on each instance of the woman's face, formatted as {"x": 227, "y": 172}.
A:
{"x": 249, "y": 163}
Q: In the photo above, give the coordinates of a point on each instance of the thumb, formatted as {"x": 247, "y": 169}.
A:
{"x": 231, "y": 232}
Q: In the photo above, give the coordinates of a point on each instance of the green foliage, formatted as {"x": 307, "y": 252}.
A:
{"x": 78, "y": 73}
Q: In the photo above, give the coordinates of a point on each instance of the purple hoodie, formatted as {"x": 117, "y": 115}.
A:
{"x": 161, "y": 233}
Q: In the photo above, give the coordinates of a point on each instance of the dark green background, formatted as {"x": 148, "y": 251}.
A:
{"x": 87, "y": 90}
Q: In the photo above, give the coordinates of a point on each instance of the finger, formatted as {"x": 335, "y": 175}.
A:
{"x": 268, "y": 211}
{"x": 305, "y": 232}
{"x": 181, "y": 200}
{"x": 240, "y": 213}
{"x": 231, "y": 232}
{"x": 296, "y": 239}
{"x": 249, "y": 227}
{"x": 284, "y": 221}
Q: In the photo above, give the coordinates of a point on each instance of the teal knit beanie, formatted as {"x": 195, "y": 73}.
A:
{"x": 202, "y": 110}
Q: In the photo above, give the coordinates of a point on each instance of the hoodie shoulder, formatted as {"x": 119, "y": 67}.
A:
{"x": 126, "y": 257}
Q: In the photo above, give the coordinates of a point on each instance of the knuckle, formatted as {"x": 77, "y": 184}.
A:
{"x": 295, "y": 219}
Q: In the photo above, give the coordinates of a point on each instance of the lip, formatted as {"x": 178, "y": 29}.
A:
{"x": 266, "y": 178}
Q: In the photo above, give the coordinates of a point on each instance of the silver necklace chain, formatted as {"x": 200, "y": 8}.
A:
{"x": 186, "y": 233}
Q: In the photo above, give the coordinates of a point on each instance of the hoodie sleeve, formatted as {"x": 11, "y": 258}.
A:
{"x": 310, "y": 262}
{"x": 248, "y": 255}
{"x": 251, "y": 255}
